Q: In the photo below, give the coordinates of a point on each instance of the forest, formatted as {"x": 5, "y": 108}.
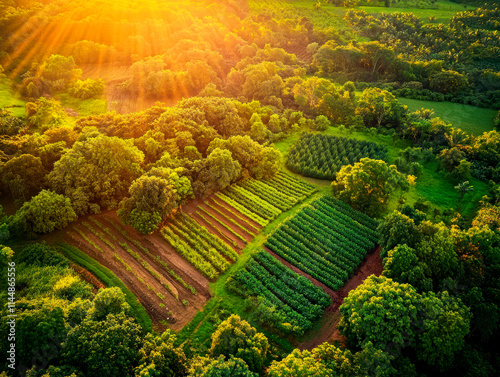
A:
{"x": 243, "y": 188}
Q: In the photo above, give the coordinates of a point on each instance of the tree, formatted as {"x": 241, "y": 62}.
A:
{"x": 23, "y": 176}
{"x": 367, "y": 185}
{"x": 207, "y": 367}
{"x": 463, "y": 188}
{"x": 159, "y": 357}
{"x": 235, "y": 337}
{"x": 153, "y": 197}
{"x": 402, "y": 265}
{"x": 59, "y": 71}
{"x": 446, "y": 322}
{"x": 379, "y": 107}
{"x": 395, "y": 229}
{"x": 219, "y": 171}
{"x": 109, "y": 347}
{"x": 448, "y": 81}
{"x": 299, "y": 364}
{"x": 380, "y": 311}
{"x": 109, "y": 301}
{"x": 44, "y": 213}
{"x": 96, "y": 172}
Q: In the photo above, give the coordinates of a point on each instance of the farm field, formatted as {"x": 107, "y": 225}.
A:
{"x": 322, "y": 156}
{"x": 234, "y": 188}
{"x": 471, "y": 119}
{"x": 326, "y": 239}
{"x": 148, "y": 266}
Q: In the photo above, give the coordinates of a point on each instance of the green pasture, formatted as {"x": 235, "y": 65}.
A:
{"x": 9, "y": 102}
{"x": 471, "y": 119}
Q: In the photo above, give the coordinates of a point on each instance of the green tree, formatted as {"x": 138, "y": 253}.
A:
{"x": 446, "y": 322}
{"x": 380, "y": 311}
{"x": 448, "y": 81}
{"x": 96, "y": 172}
{"x": 59, "y": 71}
{"x": 153, "y": 197}
{"x": 44, "y": 213}
{"x": 219, "y": 171}
{"x": 396, "y": 229}
{"x": 299, "y": 364}
{"x": 23, "y": 176}
{"x": 109, "y": 347}
{"x": 207, "y": 367}
{"x": 367, "y": 185}
{"x": 108, "y": 301}
{"x": 379, "y": 107}
{"x": 159, "y": 357}
{"x": 402, "y": 265}
{"x": 235, "y": 337}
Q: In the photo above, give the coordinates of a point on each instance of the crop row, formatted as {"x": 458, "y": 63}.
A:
{"x": 322, "y": 156}
{"x": 204, "y": 251}
{"x": 296, "y": 300}
{"x": 325, "y": 240}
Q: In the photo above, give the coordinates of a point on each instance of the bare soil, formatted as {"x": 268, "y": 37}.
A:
{"x": 326, "y": 330}
{"x": 157, "y": 247}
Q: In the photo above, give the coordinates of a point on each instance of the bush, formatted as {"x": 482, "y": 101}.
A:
{"x": 85, "y": 89}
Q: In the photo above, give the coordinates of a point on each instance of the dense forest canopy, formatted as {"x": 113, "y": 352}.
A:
{"x": 250, "y": 188}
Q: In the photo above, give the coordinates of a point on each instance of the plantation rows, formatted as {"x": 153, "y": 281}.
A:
{"x": 263, "y": 201}
{"x": 322, "y": 156}
{"x": 207, "y": 253}
{"x": 295, "y": 299}
{"x": 326, "y": 239}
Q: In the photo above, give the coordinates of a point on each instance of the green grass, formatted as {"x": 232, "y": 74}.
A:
{"x": 9, "y": 101}
{"x": 83, "y": 107}
{"x": 443, "y": 12}
{"x": 109, "y": 279}
{"x": 471, "y": 119}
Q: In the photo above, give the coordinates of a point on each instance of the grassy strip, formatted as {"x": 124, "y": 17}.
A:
{"x": 224, "y": 225}
{"x": 234, "y": 243}
{"x": 230, "y": 219}
{"x": 109, "y": 279}
{"x": 221, "y": 204}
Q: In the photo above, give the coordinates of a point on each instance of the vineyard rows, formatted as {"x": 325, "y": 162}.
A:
{"x": 263, "y": 201}
{"x": 322, "y": 156}
{"x": 326, "y": 239}
{"x": 289, "y": 302}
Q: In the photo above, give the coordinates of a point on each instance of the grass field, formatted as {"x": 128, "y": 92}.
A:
{"x": 84, "y": 107}
{"x": 471, "y": 119}
{"x": 9, "y": 102}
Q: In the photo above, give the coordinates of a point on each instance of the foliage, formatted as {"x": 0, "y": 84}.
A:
{"x": 44, "y": 213}
{"x": 219, "y": 367}
{"x": 235, "y": 337}
{"x": 87, "y": 88}
{"x": 109, "y": 346}
{"x": 322, "y": 156}
{"x": 159, "y": 356}
{"x": 313, "y": 237}
{"x": 96, "y": 172}
{"x": 299, "y": 364}
{"x": 367, "y": 185}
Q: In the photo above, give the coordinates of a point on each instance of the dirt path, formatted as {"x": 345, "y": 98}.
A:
{"x": 326, "y": 330}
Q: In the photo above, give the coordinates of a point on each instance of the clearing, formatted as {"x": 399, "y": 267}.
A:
{"x": 471, "y": 119}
